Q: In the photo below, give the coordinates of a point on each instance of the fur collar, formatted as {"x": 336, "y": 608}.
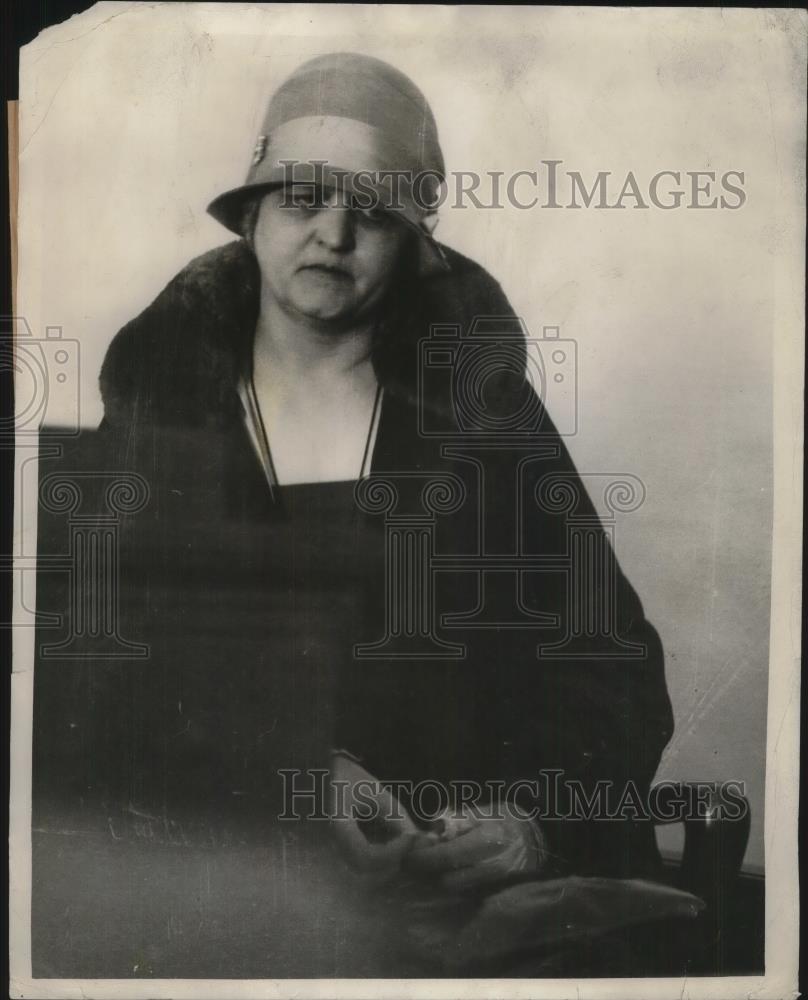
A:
{"x": 179, "y": 361}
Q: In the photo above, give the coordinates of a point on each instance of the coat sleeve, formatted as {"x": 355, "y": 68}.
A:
{"x": 581, "y": 714}
{"x": 513, "y": 709}
{"x": 582, "y": 706}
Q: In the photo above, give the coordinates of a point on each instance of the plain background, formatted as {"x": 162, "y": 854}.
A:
{"x": 134, "y": 116}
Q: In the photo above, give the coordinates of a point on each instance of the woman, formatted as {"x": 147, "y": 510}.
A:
{"x": 293, "y": 355}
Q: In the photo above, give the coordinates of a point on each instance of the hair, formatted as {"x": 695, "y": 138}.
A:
{"x": 249, "y": 215}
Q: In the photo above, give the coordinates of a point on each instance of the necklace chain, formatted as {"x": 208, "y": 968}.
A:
{"x": 252, "y": 413}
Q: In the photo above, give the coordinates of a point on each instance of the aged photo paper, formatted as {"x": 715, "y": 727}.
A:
{"x": 407, "y": 502}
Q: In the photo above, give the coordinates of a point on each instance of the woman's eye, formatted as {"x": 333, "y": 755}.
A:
{"x": 304, "y": 202}
{"x": 307, "y": 200}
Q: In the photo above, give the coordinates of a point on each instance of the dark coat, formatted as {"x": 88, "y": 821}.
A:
{"x": 504, "y": 711}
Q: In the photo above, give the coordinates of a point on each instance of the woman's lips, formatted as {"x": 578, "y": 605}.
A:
{"x": 327, "y": 271}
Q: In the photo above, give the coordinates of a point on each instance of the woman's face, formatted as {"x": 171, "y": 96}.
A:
{"x": 323, "y": 261}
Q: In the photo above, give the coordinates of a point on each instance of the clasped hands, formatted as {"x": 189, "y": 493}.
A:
{"x": 461, "y": 850}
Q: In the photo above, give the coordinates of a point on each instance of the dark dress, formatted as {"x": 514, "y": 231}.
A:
{"x": 270, "y": 639}
{"x": 166, "y": 770}
{"x": 158, "y": 783}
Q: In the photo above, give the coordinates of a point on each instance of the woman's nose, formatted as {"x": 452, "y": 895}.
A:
{"x": 335, "y": 228}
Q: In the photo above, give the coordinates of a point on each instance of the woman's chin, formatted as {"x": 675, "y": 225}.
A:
{"x": 338, "y": 314}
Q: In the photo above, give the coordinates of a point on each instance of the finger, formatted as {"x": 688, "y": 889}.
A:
{"x": 367, "y": 856}
{"x": 351, "y": 780}
{"x": 469, "y": 879}
{"x": 452, "y": 823}
{"x": 467, "y": 849}
{"x": 491, "y": 870}
{"x": 391, "y": 812}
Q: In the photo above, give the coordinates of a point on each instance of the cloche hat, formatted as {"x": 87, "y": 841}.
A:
{"x": 354, "y": 120}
